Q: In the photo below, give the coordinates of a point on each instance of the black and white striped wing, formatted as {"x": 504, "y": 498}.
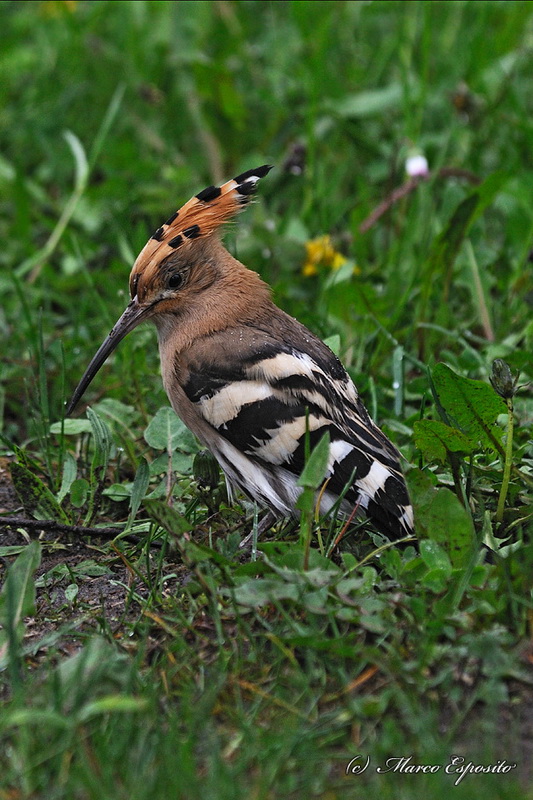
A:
{"x": 259, "y": 409}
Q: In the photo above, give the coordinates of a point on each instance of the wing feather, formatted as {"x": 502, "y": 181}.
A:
{"x": 263, "y": 404}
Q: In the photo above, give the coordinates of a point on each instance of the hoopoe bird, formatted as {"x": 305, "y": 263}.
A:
{"x": 251, "y": 382}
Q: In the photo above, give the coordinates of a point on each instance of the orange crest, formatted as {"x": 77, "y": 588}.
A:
{"x": 200, "y": 217}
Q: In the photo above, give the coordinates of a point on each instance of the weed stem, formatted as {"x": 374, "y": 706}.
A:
{"x": 508, "y": 462}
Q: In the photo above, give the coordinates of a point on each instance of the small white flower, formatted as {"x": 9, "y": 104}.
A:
{"x": 416, "y": 165}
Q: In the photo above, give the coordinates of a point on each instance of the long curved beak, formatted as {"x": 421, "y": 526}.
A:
{"x": 132, "y": 316}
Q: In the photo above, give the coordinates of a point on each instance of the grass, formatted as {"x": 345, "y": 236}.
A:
{"x": 160, "y": 661}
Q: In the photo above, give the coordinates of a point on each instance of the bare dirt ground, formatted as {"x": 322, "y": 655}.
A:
{"x": 102, "y": 600}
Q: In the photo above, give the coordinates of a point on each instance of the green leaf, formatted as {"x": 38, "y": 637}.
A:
{"x": 17, "y": 600}
{"x": 71, "y": 592}
{"x": 52, "y": 576}
{"x": 102, "y": 442}
{"x": 436, "y": 579}
{"x": 180, "y": 462}
{"x": 91, "y": 569}
{"x": 69, "y": 475}
{"x": 434, "y": 556}
{"x": 72, "y": 427}
{"x": 349, "y": 560}
{"x": 473, "y": 406}
{"x": 316, "y": 467}
{"x": 286, "y": 558}
{"x": 20, "y": 581}
{"x": 166, "y": 517}
{"x": 435, "y": 440}
{"x": 440, "y": 517}
{"x": 117, "y": 412}
{"x": 12, "y": 550}
{"x": 167, "y": 432}
{"x": 118, "y": 491}
{"x": 138, "y": 490}
{"x": 79, "y": 492}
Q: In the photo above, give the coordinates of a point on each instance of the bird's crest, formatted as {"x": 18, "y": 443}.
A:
{"x": 200, "y": 216}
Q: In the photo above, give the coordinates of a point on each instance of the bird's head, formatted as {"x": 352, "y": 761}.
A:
{"x": 177, "y": 271}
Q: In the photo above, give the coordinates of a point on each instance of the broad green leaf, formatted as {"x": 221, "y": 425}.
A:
{"x": 434, "y": 556}
{"x": 287, "y": 561}
{"x": 421, "y": 483}
{"x": 166, "y": 517}
{"x": 349, "y": 560}
{"x": 34, "y": 495}
{"x": 118, "y": 491}
{"x": 52, "y": 576}
{"x": 79, "y": 492}
{"x": 71, "y": 592}
{"x": 306, "y": 502}
{"x": 72, "y": 427}
{"x": 439, "y": 516}
{"x": 90, "y": 568}
{"x": 289, "y": 554}
{"x": 316, "y": 467}
{"x": 180, "y": 462}
{"x": 167, "y": 432}
{"x": 118, "y": 412}
{"x": 471, "y": 405}
{"x": 435, "y": 439}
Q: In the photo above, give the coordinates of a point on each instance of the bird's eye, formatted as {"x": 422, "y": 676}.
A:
{"x": 175, "y": 280}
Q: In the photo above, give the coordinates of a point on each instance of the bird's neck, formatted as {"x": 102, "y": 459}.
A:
{"x": 237, "y": 296}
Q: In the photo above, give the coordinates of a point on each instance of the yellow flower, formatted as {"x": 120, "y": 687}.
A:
{"x": 309, "y": 269}
{"x": 338, "y": 260}
{"x": 320, "y": 252}
{"x": 53, "y": 8}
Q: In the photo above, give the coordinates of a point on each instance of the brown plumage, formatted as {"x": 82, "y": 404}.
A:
{"x": 247, "y": 378}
